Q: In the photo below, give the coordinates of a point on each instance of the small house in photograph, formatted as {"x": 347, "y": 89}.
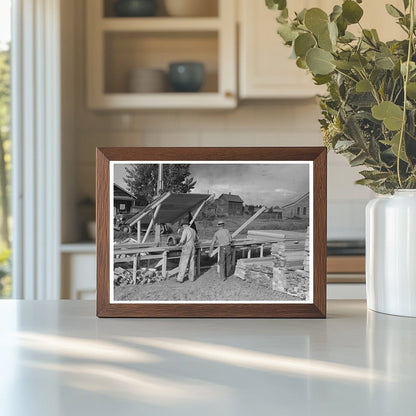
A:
{"x": 299, "y": 208}
{"x": 229, "y": 204}
{"x": 275, "y": 213}
{"x": 123, "y": 200}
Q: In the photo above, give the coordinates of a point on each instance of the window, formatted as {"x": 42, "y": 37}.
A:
{"x": 304, "y": 210}
{"x": 298, "y": 211}
{"x": 5, "y": 160}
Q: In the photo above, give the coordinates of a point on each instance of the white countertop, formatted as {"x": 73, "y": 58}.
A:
{"x": 57, "y": 358}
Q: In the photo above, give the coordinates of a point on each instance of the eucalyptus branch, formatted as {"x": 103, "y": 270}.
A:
{"x": 406, "y": 80}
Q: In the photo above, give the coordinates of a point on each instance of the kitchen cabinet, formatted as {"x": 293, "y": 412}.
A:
{"x": 265, "y": 70}
{"x": 78, "y": 263}
{"x": 118, "y": 45}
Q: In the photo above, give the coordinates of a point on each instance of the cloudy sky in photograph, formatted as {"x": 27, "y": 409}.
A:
{"x": 264, "y": 184}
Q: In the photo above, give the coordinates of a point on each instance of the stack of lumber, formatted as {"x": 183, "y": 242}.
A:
{"x": 257, "y": 270}
{"x": 289, "y": 254}
{"x": 275, "y": 235}
{"x": 123, "y": 277}
{"x": 306, "y": 259}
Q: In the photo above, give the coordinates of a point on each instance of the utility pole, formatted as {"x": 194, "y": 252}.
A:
{"x": 159, "y": 190}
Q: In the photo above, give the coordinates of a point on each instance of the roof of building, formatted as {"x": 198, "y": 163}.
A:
{"x": 230, "y": 198}
{"x": 118, "y": 189}
{"x": 173, "y": 207}
{"x": 296, "y": 200}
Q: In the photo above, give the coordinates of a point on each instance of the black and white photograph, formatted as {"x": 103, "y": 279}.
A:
{"x": 211, "y": 232}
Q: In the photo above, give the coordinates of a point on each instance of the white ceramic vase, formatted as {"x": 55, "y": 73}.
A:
{"x": 391, "y": 253}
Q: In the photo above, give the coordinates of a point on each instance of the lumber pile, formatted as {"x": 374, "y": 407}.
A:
{"x": 289, "y": 254}
{"x": 306, "y": 259}
{"x": 275, "y": 235}
{"x": 123, "y": 277}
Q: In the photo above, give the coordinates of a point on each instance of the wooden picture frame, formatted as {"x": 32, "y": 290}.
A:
{"x": 314, "y": 157}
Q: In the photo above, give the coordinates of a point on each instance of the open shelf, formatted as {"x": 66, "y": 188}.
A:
{"x": 126, "y": 51}
{"x": 119, "y": 45}
{"x": 210, "y": 7}
{"x": 160, "y": 24}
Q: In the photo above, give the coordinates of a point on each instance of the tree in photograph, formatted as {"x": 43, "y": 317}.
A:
{"x": 4, "y": 143}
{"x": 142, "y": 180}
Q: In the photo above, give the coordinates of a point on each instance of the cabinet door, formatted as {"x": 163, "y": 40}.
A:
{"x": 265, "y": 68}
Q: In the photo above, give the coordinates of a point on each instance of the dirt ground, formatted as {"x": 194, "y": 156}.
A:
{"x": 208, "y": 287}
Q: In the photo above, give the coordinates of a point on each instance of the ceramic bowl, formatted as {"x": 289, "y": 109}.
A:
{"x": 191, "y": 8}
{"x": 147, "y": 80}
{"x": 135, "y": 8}
{"x": 186, "y": 76}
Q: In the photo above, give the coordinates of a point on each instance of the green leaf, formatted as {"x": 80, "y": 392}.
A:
{"x": 375, "y": 35}
{"x": 394, "y": 145}
{"x": 393, "y": 11}
{"x": 406, "y": 4}
{"x": 321, "y": 79}
{"x": 351, "y": 11}
{"x": 411, "y": 90}
{"x": 301, "y": 63}
{"x": 374, "y": 175}
{"x": 363, "y": 86}
{"x": 303, "y": 43}
{"x": 320, "y": 61}
{"x": 347, "y": 37}
{"x": 287, "y": 33}
{"x": 343, "y": 145}
{"x": 344, "y": 65}
{"x": 384, "y": 62}
{"x": 342, "y": 25}
{"x": 358, "y": 61}
{"x": 336, "y": 12}
{"x": 316, "y": 20}
{"x": 325, "y": 42}
{"x": 388, "y": 112}
{"x": 301, "y": 15}
{"x": 276, "y": 4}
{"x": 358, "y": 160}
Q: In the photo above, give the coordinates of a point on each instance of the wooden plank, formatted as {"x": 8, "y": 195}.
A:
{"x": 242, "y": 227}
{"x": 139, "y": 231}
{"x": 149, "y": 228}
{"x": 164, "y": 264}
{"x": 156, "y": 203}
{"x": 135, "y": 268}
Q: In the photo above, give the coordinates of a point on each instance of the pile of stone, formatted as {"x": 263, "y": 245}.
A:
{"x": 254, "y": 269}
{"x": 123, "y": 277}
{"x": 294, "y": 283}
{"x": 289, "y": 254}
{"x": 288, "y": 264}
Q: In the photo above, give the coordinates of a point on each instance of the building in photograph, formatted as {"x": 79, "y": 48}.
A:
{"x": 229, "y": 204}
{"x": 299, "y": 208}
{"x": 123, "y": 200}
{"x": 275, "y": 213}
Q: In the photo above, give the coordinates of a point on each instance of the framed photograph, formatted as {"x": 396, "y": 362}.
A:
{"x": 211, "y": 232}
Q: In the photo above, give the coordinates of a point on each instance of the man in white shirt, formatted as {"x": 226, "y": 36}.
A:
{"x": 223, "y": 238}
{"x": 188, "y": 240}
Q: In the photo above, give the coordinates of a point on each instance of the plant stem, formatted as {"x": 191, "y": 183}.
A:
{"x": 406, "y": 80}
